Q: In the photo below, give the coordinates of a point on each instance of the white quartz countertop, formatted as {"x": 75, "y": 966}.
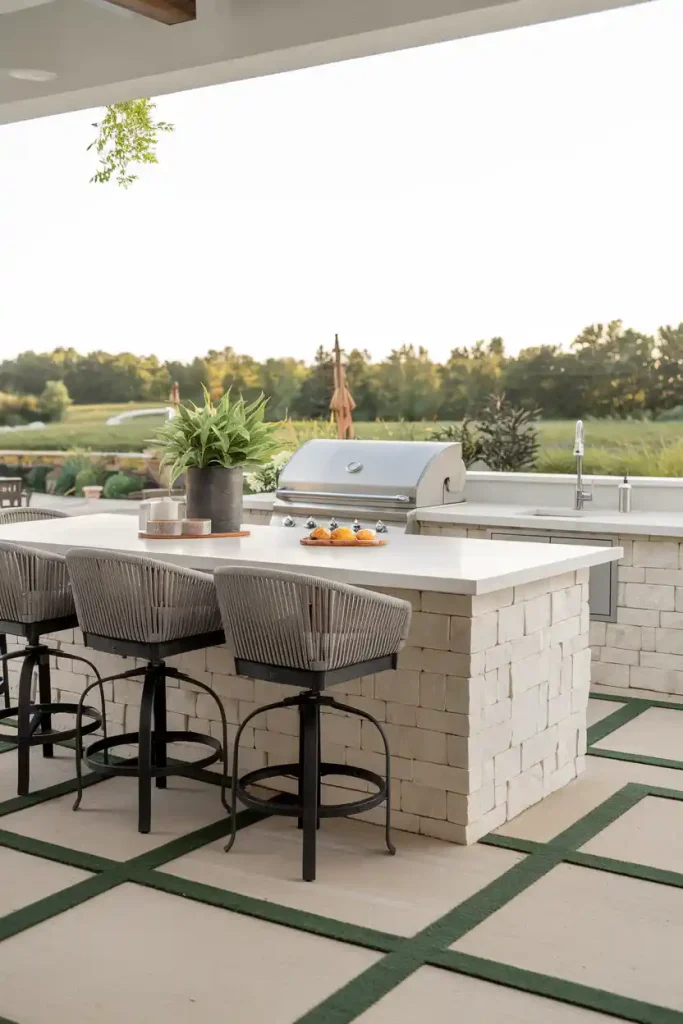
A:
{"x": 602, "y": 521}
{"x": 441, "y": 564}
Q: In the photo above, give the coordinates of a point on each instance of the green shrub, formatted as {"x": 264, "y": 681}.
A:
{"x": 465, "y": 435}
{"x": 265, "y": 478}
{"x": 120, "y": 485}
{"x": 85, "y": 478}
{"x": 54, "y": 401}
{"x": 66, "y": 478}
{"x": 16, "y": 410}
{"x": 36, "y": 478}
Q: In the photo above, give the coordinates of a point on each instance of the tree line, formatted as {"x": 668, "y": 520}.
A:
{"x": 607, "y": 371}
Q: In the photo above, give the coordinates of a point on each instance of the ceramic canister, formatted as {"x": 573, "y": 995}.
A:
{"x": 164, "y": 508}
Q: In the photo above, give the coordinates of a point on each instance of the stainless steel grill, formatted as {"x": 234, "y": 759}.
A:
{"x": 367, "y": 481}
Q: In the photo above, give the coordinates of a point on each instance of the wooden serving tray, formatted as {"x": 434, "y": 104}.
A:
{"x": 378, "y": 542}
{"x": 192, "y": 536}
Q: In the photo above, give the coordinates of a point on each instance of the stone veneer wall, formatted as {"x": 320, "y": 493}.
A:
{"x": 643, "y": 649}
{"x": 486, "y": 713}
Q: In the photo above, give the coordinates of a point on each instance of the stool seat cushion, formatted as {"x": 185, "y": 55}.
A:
{"x": 130, "y": 597}
{"x": 302, "y": 622}
{"x": 34, "y": 585}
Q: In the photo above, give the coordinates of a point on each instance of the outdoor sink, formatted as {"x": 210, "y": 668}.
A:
{"x": 573, "y": 513}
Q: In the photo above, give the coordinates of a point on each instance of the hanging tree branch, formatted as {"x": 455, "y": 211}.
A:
{"x": 128, "y": 134}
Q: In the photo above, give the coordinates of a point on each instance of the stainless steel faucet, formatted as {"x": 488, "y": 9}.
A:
{"x": 580, "y": 495}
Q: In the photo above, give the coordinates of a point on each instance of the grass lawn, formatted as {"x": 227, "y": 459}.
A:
{"x": 640, "y": 448}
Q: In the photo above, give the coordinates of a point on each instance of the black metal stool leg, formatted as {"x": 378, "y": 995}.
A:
{"x": 45, "y": 696}
{"x": 79, "y": 742}
{"x": 24, "y": 724}
{"x": 159, "y": 755}
{"x": 85, "y": 661}
{"x": 4, "y": 686}
{"x": 235, "y": 766}
{"x": 145, "y": 749}
{"x": 387, "y": 756}
{"x": 310, "y": 771}
{"x": 224, "y": 725}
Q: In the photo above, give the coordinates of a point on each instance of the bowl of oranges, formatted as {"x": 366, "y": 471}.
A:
{"x": 343, "y": 537}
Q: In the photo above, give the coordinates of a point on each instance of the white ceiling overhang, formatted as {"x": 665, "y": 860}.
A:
{"x": 100, "y": 53}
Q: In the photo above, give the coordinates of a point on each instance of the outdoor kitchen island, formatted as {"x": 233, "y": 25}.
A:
{"x": 486, "y": 712}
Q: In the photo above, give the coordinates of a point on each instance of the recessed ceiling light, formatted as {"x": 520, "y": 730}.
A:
{"x": 31, "y": 74}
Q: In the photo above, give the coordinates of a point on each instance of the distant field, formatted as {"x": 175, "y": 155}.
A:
{"x": 640, "y": 448}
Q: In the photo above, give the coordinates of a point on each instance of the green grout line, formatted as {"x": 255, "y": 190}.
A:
{"x": 598, "y": 862}
{"x": 599, "y": 818}
{"x": 558, "y": 989}
{"x": 618, "y": 718}
{"x": 511, "y": 843}
{"x": 641, "y": 872}
{"x": 50, "y": 906}
{"x": 651, "y": 703}
{"x": 363, "y": 991}
{"x": 273, "y": 913}
{"x": 665, "y": 793}
{"x": 53, "y": 852}
{"x": 183, "y": 845}
{"x": 40, "y": 796}
{"x": 623, "y": 755}
{"x": 109, "y": 878}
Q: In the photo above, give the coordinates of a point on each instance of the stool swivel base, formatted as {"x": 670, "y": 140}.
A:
{"x": 309, "y": 771}
{"x": 152, "y": 738}
{"x": 34, "y": 721}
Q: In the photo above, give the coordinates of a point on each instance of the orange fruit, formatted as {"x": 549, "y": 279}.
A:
{"x": 343, "y": 533}
{"x": 320, "y": 533}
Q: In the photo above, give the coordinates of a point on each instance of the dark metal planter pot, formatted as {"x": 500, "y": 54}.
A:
{"x": 215, "y": 493}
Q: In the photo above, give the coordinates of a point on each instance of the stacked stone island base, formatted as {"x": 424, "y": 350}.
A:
{"x": 485, "y": 715}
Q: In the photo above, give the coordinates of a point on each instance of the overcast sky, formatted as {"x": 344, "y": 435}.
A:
{"x": 521, "y": 184}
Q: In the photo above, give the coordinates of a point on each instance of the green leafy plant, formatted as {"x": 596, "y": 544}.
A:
{"x": 266, "y": 477}
{"x": 465, "y": 434}
{"x": 120, "y": 485}
{"x": 508, "y": 435}
{"x": 229, "y": 433}
{"x": 65, "y": 482}
{"x": 128, "y": 134}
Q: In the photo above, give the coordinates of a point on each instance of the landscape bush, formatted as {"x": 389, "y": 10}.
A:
{"x": 16, "y": 410}
{"x": 85, "y": 478}
{"x": 36, "y": 478}
{"x": 120, "y": 485}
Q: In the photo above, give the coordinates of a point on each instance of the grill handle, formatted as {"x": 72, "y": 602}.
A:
{"x": 288, "y": 492}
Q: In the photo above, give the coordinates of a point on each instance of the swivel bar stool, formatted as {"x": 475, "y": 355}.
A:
{"x": 137, "y": 607}
{"x": 19, "y": 515}
{"x": 35, "y": 598}
{"x": 299, "y": 630}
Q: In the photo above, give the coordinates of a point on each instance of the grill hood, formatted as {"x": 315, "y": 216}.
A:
{"x": 393, "y": 475}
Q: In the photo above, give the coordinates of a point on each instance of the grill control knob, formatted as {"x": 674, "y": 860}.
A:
{"x": 311, "y": 523}
{"x": 288, "y": 521}
{"x": 381, "y": 528}
{"x": 333, "y": 524}
{"x": 356, "y": 526}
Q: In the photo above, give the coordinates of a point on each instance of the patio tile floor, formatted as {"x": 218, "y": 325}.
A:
{"x": 570, "y": 914}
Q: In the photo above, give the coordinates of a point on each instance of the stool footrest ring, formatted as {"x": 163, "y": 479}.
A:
{"x": 54, "y": 735}
{"x": 293, "y": 808}
{"x": 131, "y": 767}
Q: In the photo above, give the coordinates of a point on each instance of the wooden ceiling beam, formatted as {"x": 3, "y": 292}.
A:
{"x": 168, "y": 12}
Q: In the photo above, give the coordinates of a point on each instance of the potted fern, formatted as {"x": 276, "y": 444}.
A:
{"x": 213, "y": 445}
